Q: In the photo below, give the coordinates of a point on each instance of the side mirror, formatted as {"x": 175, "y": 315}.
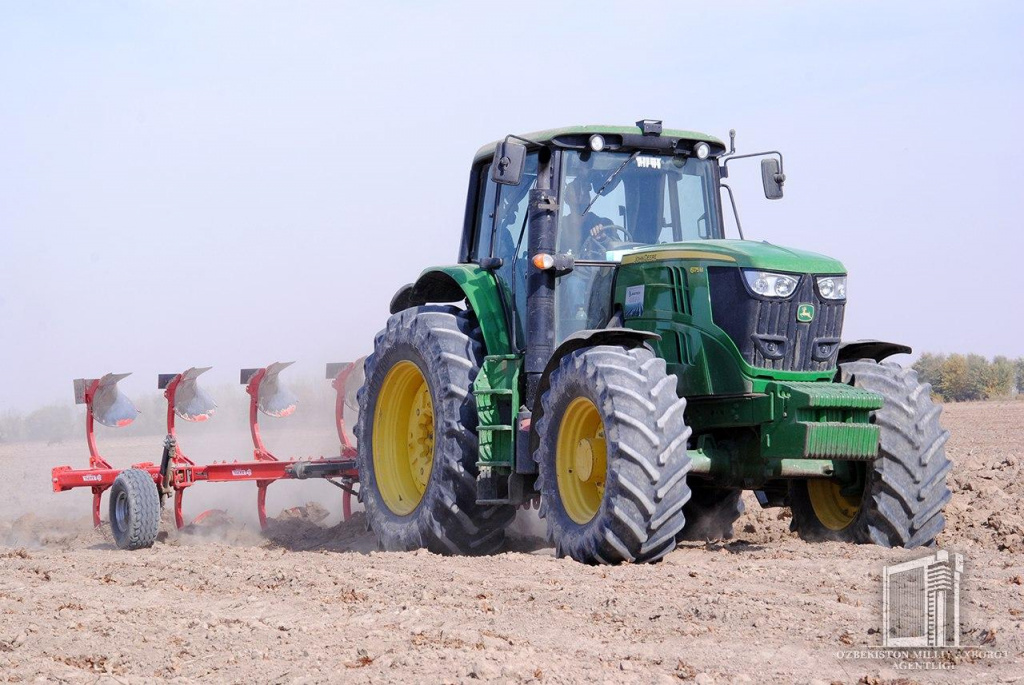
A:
{"x": 771, "y": 178}
{"x": 509, "y": 162}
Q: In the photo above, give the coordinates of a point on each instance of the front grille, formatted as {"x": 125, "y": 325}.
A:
{"x": 767, "y": 332}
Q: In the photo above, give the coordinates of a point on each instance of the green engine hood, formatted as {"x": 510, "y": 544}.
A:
{"x": 742, "y": 253}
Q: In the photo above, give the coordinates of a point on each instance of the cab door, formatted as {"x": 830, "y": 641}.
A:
{"x": 501, "y": 231}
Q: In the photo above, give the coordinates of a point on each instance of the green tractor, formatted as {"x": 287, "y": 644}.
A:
{"x": 602, "y": 350}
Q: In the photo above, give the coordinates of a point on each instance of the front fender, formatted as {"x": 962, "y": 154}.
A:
{"x": 624, "y": 337}
{"x": 456, "y": 283}
{"x": 869, "y": 349}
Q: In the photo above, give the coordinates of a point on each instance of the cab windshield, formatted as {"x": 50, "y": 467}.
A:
{"x": 616, "y": 201}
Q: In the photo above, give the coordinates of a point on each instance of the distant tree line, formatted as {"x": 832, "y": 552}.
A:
{"x": 966, "y": 377}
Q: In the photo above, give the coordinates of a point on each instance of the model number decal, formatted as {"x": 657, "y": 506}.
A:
{"x": 648, "y": 162}
{"x": 92, "y": 478}
{"x": 241, "y": 472}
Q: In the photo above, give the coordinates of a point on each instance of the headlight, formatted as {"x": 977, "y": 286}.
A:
{"x": 767, "y": 284}
{"x": 832, "y": 287}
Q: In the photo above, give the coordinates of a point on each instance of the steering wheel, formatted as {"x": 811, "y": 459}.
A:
{"x": 597, "y": 244}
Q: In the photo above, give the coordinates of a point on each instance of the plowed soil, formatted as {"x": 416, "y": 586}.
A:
{"x": 312, "y": 601}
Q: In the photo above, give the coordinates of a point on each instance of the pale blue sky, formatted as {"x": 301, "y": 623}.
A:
{"x": 198, "y": 183}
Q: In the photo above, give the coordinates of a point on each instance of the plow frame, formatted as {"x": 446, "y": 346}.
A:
{"x": 177, "y": 471}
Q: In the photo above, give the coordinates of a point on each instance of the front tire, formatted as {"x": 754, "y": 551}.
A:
{"x": 417, "y": 442}
{"x": 611, "y": 456}
{"x": 904, "y": 490}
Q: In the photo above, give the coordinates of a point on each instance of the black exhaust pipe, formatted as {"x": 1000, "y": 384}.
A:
{"x": 540, "y": 284}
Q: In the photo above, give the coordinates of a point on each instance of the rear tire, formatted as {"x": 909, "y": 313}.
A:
{"x": 418, "y": 474}
{"x": 905, "y": 486}
{"x": 611, "y": 456}
{"x": 134, "y": 509}
{"x": 711, "y": 513}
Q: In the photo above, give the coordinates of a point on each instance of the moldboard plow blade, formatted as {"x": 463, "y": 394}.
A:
{"x": 104, "y": 403}
{"x": 191, "y": 402}
{"x": 109, "y": 406}
{"x": 346, "y": 379}
{"x": 350, "y": 376}
{"x": 273, "y": 398}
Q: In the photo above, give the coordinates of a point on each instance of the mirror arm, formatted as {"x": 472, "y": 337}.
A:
{"x": 755, "y": 154}
{"x": 735, "y": 213}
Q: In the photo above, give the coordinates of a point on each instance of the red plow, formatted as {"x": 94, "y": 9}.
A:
{"x": 134, "y": 502}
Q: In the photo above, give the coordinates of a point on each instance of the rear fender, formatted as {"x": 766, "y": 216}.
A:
{"x": 468, "y": 282}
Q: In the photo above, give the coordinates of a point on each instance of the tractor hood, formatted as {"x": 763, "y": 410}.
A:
{"x": 741, "y": 253}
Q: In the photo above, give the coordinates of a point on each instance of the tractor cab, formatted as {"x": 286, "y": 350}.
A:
{"x": 616, "y": 191}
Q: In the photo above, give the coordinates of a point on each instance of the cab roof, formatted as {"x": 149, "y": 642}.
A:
{"x": 568, "y": 133}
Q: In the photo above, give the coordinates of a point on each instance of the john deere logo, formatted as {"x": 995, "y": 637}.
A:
{"x": 805, "y": 313}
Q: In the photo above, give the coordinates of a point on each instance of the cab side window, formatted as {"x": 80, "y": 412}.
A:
{"x": 511, "y": 240}
{"x": 486, "y": 189}
{"x": 512, "y": 231}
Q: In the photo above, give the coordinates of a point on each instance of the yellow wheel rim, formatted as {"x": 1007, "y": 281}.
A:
{"x": 403, "y": 438}
{"x": 581, "y": 460}
{"x": 834, "y": 510}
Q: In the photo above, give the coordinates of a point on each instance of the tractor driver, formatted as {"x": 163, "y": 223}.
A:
{"x": 578, "y": 229}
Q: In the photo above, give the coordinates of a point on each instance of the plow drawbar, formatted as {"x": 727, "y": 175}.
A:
{"x": 139, "y": 492}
